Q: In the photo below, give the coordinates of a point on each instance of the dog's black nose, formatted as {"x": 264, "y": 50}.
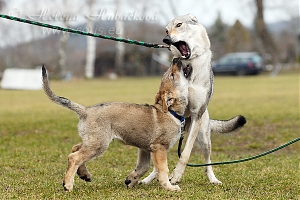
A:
{"x": 167, "y": 40}
{"x": 127, "y": 181}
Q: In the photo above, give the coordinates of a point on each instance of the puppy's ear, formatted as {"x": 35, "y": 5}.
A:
{"x": 157, "y": 97}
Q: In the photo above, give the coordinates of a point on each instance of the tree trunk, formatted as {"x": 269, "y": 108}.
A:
{"x": 61, "y": 70}
{"x": 91, "y": 46}
{"x": 120, "y": 49}
{"x": 263, "y": 34}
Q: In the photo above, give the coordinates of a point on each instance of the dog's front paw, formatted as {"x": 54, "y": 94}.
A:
{"x": 216, "y": 182}
{"x": 147, "y": 180}
{"x": 175, "y": 177}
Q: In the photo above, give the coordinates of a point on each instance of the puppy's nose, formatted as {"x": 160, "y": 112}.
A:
{"x": 167, "y": 40}
{"x": 177, "y": 61}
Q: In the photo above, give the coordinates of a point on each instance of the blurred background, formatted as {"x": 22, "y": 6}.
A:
{"x": 268, "y": 27}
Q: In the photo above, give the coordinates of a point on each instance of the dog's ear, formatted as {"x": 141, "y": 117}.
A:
{"x": 162, "y": 96}
{"x": 193, "y": 18}
{"x": 164, "y": 100}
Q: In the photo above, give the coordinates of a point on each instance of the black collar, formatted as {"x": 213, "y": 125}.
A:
{"x": 180, "y": 118}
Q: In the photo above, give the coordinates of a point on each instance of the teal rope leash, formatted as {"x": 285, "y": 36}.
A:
{"x": 236, "y": 161}
{"x": 150, "y": 45}
{"x": 83, "y": 32}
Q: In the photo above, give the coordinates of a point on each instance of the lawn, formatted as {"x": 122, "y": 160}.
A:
{"x": 37, "y": 135}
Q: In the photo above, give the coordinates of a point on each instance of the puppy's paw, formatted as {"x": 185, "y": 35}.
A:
{"x": 130, "y": 182}
{"x": 86, "y": 178}
{"x": 172, "y": 188}
{"x": 175, "y": 188}
{"x": 67, "y": 187}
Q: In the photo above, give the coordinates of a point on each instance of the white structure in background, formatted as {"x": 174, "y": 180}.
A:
{"x": 22, "y": 79}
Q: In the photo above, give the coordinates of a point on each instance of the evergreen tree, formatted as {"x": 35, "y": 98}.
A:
{"x": 217, "y": 35}
{"x": 238, "y": 38}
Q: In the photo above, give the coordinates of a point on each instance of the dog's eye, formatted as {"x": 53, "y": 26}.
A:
{"x": 178, "y": 25}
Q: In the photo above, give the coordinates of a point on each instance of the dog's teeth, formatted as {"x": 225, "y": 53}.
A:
{"x": 182, "y": 56}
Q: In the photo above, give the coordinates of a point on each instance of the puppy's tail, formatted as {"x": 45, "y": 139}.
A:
{"x": 227, "y": 126}
{"x": 79, "y": 109}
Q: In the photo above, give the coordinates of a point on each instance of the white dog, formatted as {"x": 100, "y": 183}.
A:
{"x": 188, "y": 40}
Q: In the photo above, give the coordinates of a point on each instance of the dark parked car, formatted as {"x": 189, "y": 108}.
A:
{"x": 243, "y": 63}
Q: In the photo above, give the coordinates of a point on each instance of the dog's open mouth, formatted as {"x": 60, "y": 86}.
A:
{"x": 187, "y": 71}
{"x": 184, "y": 49}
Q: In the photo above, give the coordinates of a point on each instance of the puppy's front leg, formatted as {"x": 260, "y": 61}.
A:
{"x": 142, "y": 166}
{"x": 159, "y": 156}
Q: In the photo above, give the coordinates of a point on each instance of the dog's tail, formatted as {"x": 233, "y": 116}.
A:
{"x": 227, "y": 126}
{"x": 79, "y": 109}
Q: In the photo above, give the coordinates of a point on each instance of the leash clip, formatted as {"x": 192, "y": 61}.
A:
{"x": 182, "y": 124}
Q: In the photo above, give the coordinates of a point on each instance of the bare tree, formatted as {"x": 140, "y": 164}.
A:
{"x": 91, "y": 44}
{"x": 263, "y": 34}
{"x": 120, "y": 48}
{"x": 2, "y": 4}
{"x": 68, "y": 8}
{"x": 61, "y": 69}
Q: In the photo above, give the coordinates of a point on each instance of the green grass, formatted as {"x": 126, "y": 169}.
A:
{"x": 36, "y": 136}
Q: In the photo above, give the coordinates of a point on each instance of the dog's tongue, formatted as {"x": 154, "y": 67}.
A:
{"x": 183, "y": 49}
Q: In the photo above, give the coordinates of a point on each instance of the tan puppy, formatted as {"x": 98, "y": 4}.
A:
{"x": 151, "y": 128}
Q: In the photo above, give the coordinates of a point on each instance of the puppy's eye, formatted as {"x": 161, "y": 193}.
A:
{"x": 170, "y": 100}
{"x": 172, "y": 75}
{"x": 178, "y": 25}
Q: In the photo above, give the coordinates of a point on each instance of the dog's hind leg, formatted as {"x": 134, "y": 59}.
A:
{"x": 159, "y": 156}
{"x": 76, "y": 159}
{"x": 142, "y": 166}
{"x": 205, "y": 144}
{"x": 82, "y": 171}
{"x": 178, "y": 171}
